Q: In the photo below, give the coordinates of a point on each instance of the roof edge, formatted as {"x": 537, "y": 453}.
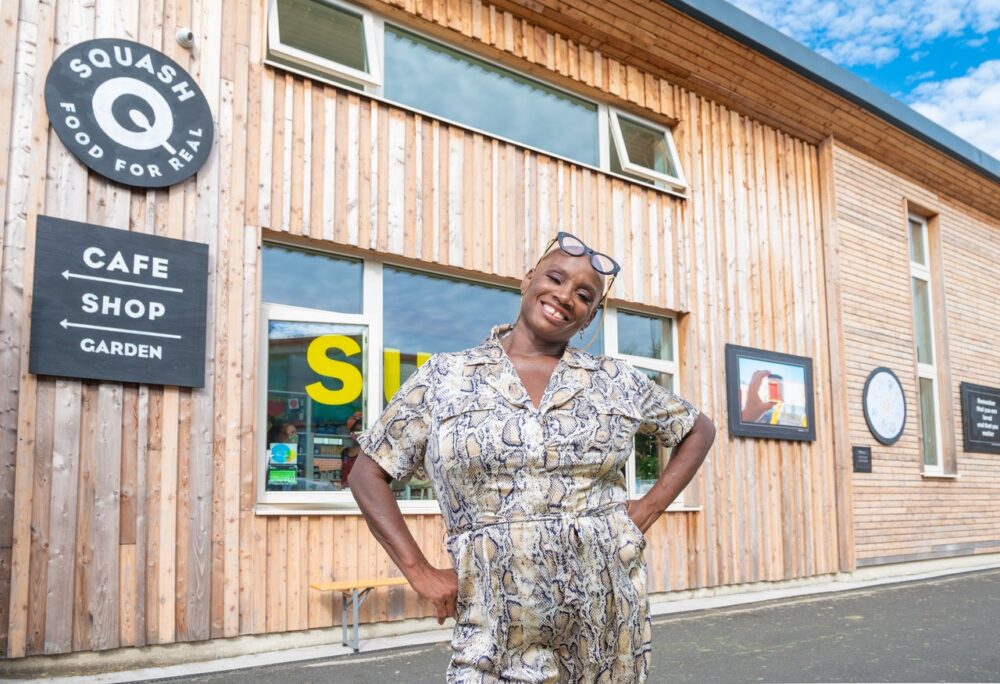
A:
{"x": 753, "y": 33}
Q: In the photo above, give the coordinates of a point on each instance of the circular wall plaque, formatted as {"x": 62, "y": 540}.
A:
{"x": 129, "y": 112}
{"x": 885, "y": 405}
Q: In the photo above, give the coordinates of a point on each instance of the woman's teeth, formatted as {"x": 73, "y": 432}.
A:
{"x": 552, "y": 312}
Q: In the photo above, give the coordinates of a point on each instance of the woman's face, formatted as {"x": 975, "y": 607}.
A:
{"x": 560, "y": 296}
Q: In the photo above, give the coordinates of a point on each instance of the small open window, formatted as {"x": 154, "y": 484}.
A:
{"x": 325, "y": 36}
{"x": 644, "y": 151}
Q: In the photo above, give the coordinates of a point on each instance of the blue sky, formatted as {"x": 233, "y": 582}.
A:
{"x": 941, "y": 57}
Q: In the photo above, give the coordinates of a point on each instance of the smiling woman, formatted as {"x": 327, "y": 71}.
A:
{"x": 527, "y": 442}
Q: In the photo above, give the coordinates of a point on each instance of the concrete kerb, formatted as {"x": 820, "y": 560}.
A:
{"x": 190, "y": 659}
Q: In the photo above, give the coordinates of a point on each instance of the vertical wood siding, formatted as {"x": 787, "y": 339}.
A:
{"x": 127, "y": 512}
{"x": 900, "y": 515}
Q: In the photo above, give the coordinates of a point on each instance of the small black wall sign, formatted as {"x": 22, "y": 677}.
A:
{"x": 129, "y": 112}
{"x": 862, "y": 457}
{"x": 114, "y": 305}
{"x": 980, "y": 418}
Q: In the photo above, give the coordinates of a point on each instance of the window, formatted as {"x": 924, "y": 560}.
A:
{"x": 648, "y": 343}
{"x": 315, "y": 401}
{"x": 326, "y": 35}
{"x": 923, "y": 324}
{"x": 436, "y": 79}
{"x": 339, "y": 337}
{"x": 333, "y": 40}
{"x": 644, "y": 151}
{"x": 314, "y": 367}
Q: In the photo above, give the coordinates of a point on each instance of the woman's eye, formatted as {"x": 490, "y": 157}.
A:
{"x": 554, "y": 278}
{"x": 586, "y": 296}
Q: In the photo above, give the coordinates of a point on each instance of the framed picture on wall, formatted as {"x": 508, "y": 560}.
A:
{"x": 769, "y": 394}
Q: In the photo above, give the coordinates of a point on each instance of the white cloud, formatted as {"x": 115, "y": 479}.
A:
{"x": 968, "y": 106}
{"x": 977, "y": 42}
{"x": 854, "y": 32}
{"x": 922, "y": 76}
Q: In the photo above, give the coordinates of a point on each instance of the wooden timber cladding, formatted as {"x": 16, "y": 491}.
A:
{"x": 899, "y": 514}
{"x": 651, "y": 36}
{"x": 127, "y": 512}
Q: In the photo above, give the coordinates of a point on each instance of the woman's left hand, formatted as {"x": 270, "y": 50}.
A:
{"x": 641, "y": 514}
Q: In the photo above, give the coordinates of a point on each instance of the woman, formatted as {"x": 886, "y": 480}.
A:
{"x": 526, "y": 439}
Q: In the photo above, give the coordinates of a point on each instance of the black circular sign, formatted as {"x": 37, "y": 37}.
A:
{"x": 129, "y": 112}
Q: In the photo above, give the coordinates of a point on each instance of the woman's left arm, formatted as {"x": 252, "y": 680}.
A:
{"x": 683, "y": 464}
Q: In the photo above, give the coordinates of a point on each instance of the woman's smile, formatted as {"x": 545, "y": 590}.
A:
{"x": 553, "y": 313}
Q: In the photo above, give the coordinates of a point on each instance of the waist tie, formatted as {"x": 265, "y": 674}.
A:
{"x": 569, "y": 516}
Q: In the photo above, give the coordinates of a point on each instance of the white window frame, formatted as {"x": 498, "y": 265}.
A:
{"x": 922, "y": 271}
{"x": 373, "y": 43}
{"x": 326, "y": 503}
{"x": 670, "y": 368}
{"x": 342, "y": 502}
{"x": 372, "y": 85}
{"x": 675, "y": 182}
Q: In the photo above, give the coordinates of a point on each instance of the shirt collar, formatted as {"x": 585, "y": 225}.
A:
{"x": 490, "y": 351}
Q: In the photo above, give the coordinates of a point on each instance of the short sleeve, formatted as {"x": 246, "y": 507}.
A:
{"x": 397, "y": 441}
{"x": 664, "y": 414}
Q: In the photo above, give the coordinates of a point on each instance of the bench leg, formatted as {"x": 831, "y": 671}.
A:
{"x": 356, "y": 606}
{"x": 343, "y": 619}
{"x": 357, "y": 598}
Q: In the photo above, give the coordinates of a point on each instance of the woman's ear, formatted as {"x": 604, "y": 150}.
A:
{"x": 526, "y": 280}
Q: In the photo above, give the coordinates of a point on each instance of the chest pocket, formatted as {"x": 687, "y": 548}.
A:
{"x": 471, "y": 435}
{"x": 592, "y": 440}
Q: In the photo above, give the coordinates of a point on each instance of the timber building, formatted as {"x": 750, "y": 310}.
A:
{"x": 382, "y": 174}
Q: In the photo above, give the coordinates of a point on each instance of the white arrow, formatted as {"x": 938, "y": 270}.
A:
{"x": 67, "y": 274}
{"x": 66, "y": 324}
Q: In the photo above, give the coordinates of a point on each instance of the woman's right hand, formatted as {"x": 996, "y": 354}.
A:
{"x": 440, "y": 587}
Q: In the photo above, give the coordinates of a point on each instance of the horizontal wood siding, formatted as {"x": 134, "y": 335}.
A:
{"x": 899, "y": 514}
{"x": 128, "y": 511}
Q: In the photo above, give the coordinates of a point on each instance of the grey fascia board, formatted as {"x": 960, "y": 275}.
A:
{"x": 774, "y": 44}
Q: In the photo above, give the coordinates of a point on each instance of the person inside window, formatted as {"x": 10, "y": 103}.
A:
{"x": 282, "y": 432}
{"x": 526, "y": 439}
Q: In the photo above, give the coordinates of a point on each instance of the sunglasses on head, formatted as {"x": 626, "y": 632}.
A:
{"x": 574, "y": 246}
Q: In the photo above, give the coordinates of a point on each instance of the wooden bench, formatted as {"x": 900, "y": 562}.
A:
{"x": 357, "y": 590}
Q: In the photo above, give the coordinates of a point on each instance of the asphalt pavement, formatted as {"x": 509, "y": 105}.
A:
{"x": 941, "y": 630}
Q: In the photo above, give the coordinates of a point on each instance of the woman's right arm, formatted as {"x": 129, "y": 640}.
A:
{"x": 370, "y": 485}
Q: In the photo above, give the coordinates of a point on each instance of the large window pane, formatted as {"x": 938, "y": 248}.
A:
{"x": 928, "y": 422}
{"x": 922, "y": 321}
{"x": 308, "y": 279}
{"x": 433, "y": 78}
{"x": 650, "y": 458}
{"x": 329, "y": 32}
{"x": 647, "y": 336}
{"x": 315, "y": 398}
{"x": 917, "y": 252}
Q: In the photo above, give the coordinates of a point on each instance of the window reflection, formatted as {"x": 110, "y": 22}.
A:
{"x": 311, "y": 280}
{"x": 646, "y": 336}
{"x": 438, "y": 80}
{"x": 650, "y": 458}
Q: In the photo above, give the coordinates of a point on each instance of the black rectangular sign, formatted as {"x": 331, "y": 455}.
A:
{"x": 980, "y": 418}
{"x": 115, "y": 305}
{"x": 862, "y": 457}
